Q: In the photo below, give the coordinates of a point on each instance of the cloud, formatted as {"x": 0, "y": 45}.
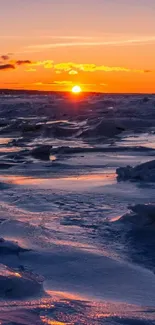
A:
{"x": 7, "y": 67}
{"x": 54, "y": 83}
{"x": 64, "y": 66}
{"x": 47, "y": 64}
{"x": 69, "y": 37}
{"x": 12, "y": 64}
{"x": 73, "y": 72}
{"x": 71, "y": 66}
{"x": 38, "y": 83}
{"x": 20, "y": 62}
{"x": 30, "y": 70}
{"x": 125, "y": 42}
{"x": 66, "y": 44}
{"x": 58, "y": 72}
{"x": 62, "y": 83}
{"x": 4, "y": 57}
{"x": 23, "y": 62}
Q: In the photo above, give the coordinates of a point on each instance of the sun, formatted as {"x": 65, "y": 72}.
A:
{"x": 76, "y": 90}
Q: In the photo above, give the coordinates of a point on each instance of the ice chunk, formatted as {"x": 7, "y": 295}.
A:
{"x": 8, "y": 247}
{"x": 42, "y": 152}
{"x": 141, "y": 215}
{"x": 143, "y": 172}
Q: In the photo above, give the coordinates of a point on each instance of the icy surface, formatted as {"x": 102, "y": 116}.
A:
{"x": 77, "y": 209}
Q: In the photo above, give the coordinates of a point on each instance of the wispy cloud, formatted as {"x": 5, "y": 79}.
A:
{"x": 4, "y": 67}
{"x": 103, "y": 85}
{"x": 125, "y": 42}
{"x": 38, "y": 83}
{"x": 62, "y": 83}
{"x": 62, "y": 37}
{"x": 23, "y": 62}
{"x": 47, "y": 35}
{"x": 13, "y": 64}
{"x": 54, "y": 83}
{"x": 17, "y": 63}
{"x": 4, "y": 57}
{"x": 47, "y": 64}
{"x": 30, "y": 70}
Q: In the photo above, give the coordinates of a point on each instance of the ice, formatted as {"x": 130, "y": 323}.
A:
{"x": 143, "y": 172}
{"x": 42, "y": 152}
{"x": 76, "y": 243}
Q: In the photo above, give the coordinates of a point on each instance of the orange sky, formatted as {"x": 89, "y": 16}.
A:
{"x": 106, "y": 46}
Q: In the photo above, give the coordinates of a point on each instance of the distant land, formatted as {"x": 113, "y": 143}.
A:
{"x": 43, "y": 92}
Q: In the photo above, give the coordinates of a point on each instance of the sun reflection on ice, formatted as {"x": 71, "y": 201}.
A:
{"x": 49, "y": 321}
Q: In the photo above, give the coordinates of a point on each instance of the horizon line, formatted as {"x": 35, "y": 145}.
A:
{"x": 68, "y": 91}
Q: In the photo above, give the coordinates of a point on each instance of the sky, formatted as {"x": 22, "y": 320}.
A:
{"x": 101, "y": 45}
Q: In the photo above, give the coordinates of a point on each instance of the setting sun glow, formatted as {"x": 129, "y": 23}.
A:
{"x": 76, "y": 90}
{"x": 97, "y": 51}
